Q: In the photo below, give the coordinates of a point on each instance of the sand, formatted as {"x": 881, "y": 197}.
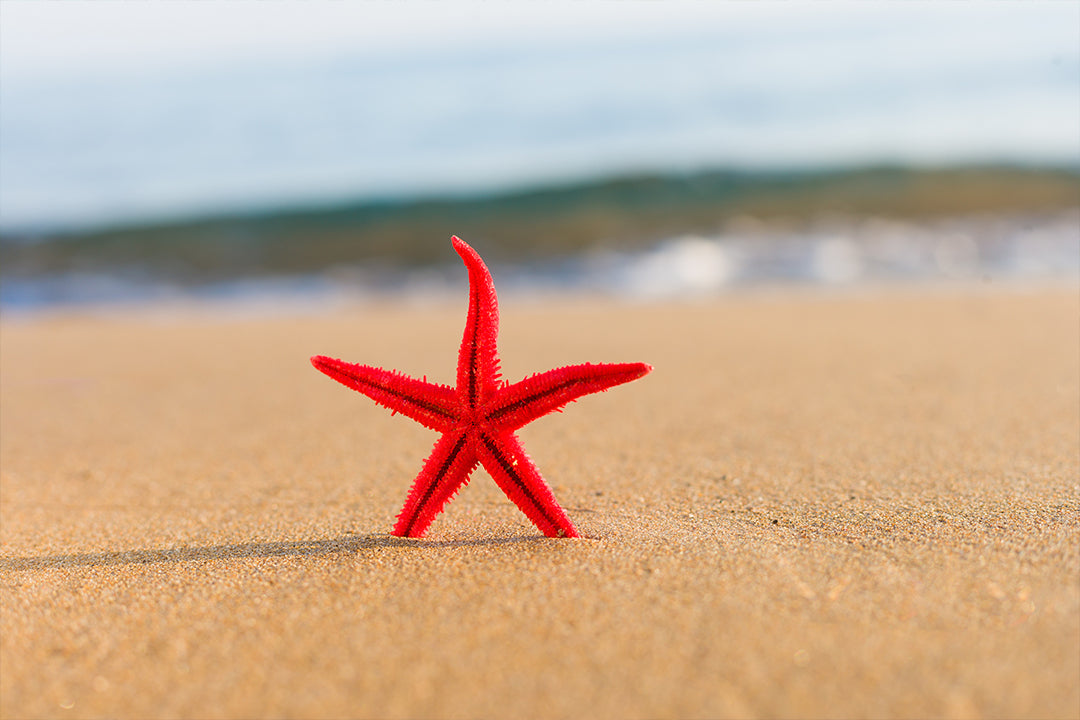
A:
{"x": 845, "y": 505}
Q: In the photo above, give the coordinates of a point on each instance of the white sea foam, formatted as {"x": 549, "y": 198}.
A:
{"x": 1045, "y": 248}
{"x": 683, "y": 266}
{"x": 1028, "y": 249}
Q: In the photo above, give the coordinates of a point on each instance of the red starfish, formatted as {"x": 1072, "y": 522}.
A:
{"x": 478, "y": 417}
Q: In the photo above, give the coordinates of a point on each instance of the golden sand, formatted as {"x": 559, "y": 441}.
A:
{"x": 849, "y": 506}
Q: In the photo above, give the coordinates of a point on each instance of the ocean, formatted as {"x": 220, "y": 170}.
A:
{"x": 139, "y": 150}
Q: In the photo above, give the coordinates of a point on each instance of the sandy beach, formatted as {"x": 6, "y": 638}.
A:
{"x": 846, "y": 504}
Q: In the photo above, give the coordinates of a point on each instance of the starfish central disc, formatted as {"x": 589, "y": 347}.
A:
{"x": 473, "y": 419}
{"x": 478, "y": 417}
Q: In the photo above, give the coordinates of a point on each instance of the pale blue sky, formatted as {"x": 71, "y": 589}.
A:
{"x": 72, "y": 38}
{"x": 117, "y": 110}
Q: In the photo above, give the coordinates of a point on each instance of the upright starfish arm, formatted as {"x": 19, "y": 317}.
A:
{"x": 433, "y": 406}
{"x": 535, "y": 396}
{"x": 506, "y": 461}
{"x": 478, "y": 360}
{"x": 444, "y": 472}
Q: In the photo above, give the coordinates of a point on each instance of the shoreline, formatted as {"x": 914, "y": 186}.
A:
{"x": 254, "y": 305}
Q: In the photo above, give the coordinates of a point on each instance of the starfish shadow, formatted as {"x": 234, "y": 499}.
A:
{"x": 337, "y": 546}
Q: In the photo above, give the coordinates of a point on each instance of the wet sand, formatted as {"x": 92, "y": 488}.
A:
{"x": 845, "y": 505}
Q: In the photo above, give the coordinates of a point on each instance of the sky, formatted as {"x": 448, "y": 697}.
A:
{"x": 105, "y": 36}
{"x": 113, "y": 110}
{"x": 61, "y": 39}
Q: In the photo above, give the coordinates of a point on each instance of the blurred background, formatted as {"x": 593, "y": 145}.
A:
{"x": 298, "y": 150}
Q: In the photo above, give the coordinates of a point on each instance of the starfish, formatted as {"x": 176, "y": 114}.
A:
{"x": 478, "y": 417}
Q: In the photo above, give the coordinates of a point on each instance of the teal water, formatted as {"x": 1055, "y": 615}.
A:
{"x": 643, "y": 238}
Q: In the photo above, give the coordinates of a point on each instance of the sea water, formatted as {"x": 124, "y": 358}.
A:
{"x": 1000, "y": 251}
{"x": 100, "y": 149}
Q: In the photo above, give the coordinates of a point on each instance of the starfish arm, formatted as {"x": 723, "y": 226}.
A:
{"x": 535, "y": 396}
{"x": 478, "y": 360}
{"x": 445, "y": 471}
{"x": 506, "y": 461}
{"x": 432, "y": 405}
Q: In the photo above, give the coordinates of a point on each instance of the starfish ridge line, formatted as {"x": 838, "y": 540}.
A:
{"x": 479, "y": 415}
{"x": 433, "y": 406}
{"x": 517, "y": 405}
